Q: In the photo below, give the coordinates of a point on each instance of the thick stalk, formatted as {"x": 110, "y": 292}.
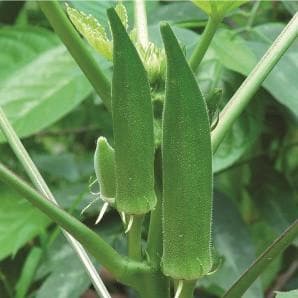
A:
{"x": 140, "y": 17}
{"x": 244, "y": 94}
{"x": 188, "y": 289}
{"x": 36, "y": 178}
{"x": 77, "y": 49}
{"x": 204, "y": 42}
{"x": 156, "y": 285}
{"x": 123, "y": 269}
{"x": 135, "y": 239}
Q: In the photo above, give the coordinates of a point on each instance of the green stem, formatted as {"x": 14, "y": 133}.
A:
{"x": 32, "y": 171}
{"x": 77, "y": 49}
{"x": 244, "y": 94}
{"x": 154, "y": 246}
{"x": 135, "y": 239}
{"x": 123, "y": 269}
{"x": 253, "y": 14}
{"x": 141, "y": 22}
{"x": 188, "y": 289}
{"x": 154, "y": 243}
{"x": 261, "y": 263}
{"x": 156, "y": 285}
{"x": 204, "y": 42}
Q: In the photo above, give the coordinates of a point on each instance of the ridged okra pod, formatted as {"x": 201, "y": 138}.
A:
{"x": 104, "y": 165}
{"x": 132, "y": 125}
{"x": 187, "y": 170}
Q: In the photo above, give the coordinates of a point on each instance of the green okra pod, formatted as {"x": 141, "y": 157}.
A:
{"x": 104, "y": 165}
{"x": 187, "y": 170}
{"x": 132, "y": 125}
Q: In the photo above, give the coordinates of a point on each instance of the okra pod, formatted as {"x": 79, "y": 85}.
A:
{"x": 132, "y": 125}
{"x": 187, "y": 170}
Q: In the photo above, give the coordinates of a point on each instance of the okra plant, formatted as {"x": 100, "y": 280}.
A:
{"x": 156, "y": 172}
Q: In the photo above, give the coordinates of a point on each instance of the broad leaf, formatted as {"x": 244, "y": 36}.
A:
{"x": 19, "y": 222}
{"x": 244, "y": 131}
{"x": 37, "y": 91}
{"x": 281, "y": 82}
{"x": 66, "y": 275}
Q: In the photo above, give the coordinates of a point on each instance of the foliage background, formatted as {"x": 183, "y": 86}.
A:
{"x": 55, "y": 110}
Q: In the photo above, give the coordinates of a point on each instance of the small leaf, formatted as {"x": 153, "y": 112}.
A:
{"x": 218, "y": 9}
{"x": 92, "y": 30}
{"x": 122, "y": 14}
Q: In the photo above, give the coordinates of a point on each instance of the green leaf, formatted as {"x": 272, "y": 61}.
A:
{"x": 274, "y": 196}
{"x": 96, "y": 8}
{"x": 290, "y": 294}
{"x": 218, "y": 9}
{"x": 281, "y": 82}
{"x": 245, "y": 130}
{"x": 59, "y": 166}
{"x": 66, "y": 277}
{"x": 40, "y": 86}
{"x": 242, "y": 284}
{"x": 19, "y": 222}
{"x": 176, "y": 12}
{"x": 263, "y": 235}
{"x": 291, "y": 6}
{"x": 92, "y": 30}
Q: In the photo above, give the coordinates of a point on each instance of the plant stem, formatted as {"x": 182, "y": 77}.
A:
{"x": 32, "y": 171}
{"x": 188, "y": 289}
{"x": 154, "y": 246}
{"x": 154, "y": 243}
{"x": 156, "y": 285}
{"x": 204, "y": 42}
{"x": 77, "y": 49}
{"x": 261, "y": 263}
{"x": 123, "y": 269}
{"x": 135, "y": 239}
{"x": 253, "y": 14}
{"x": 141, "y": 22}
{"x": 244, "y": 94}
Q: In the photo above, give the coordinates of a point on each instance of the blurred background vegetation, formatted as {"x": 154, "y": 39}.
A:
{"x": 59, "y": 117}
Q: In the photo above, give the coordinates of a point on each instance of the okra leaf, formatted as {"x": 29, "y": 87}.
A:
{"x": 61, "y": 264}
{"x": 274, "y": 196}
{"x": 281, "y": 82}
{"x": 242, "y": 284}
{"x": 40, "y": 82}
{"x": 19, "y": 222}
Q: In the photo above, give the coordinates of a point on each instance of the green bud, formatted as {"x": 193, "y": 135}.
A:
{"x": 104, "y": 165}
